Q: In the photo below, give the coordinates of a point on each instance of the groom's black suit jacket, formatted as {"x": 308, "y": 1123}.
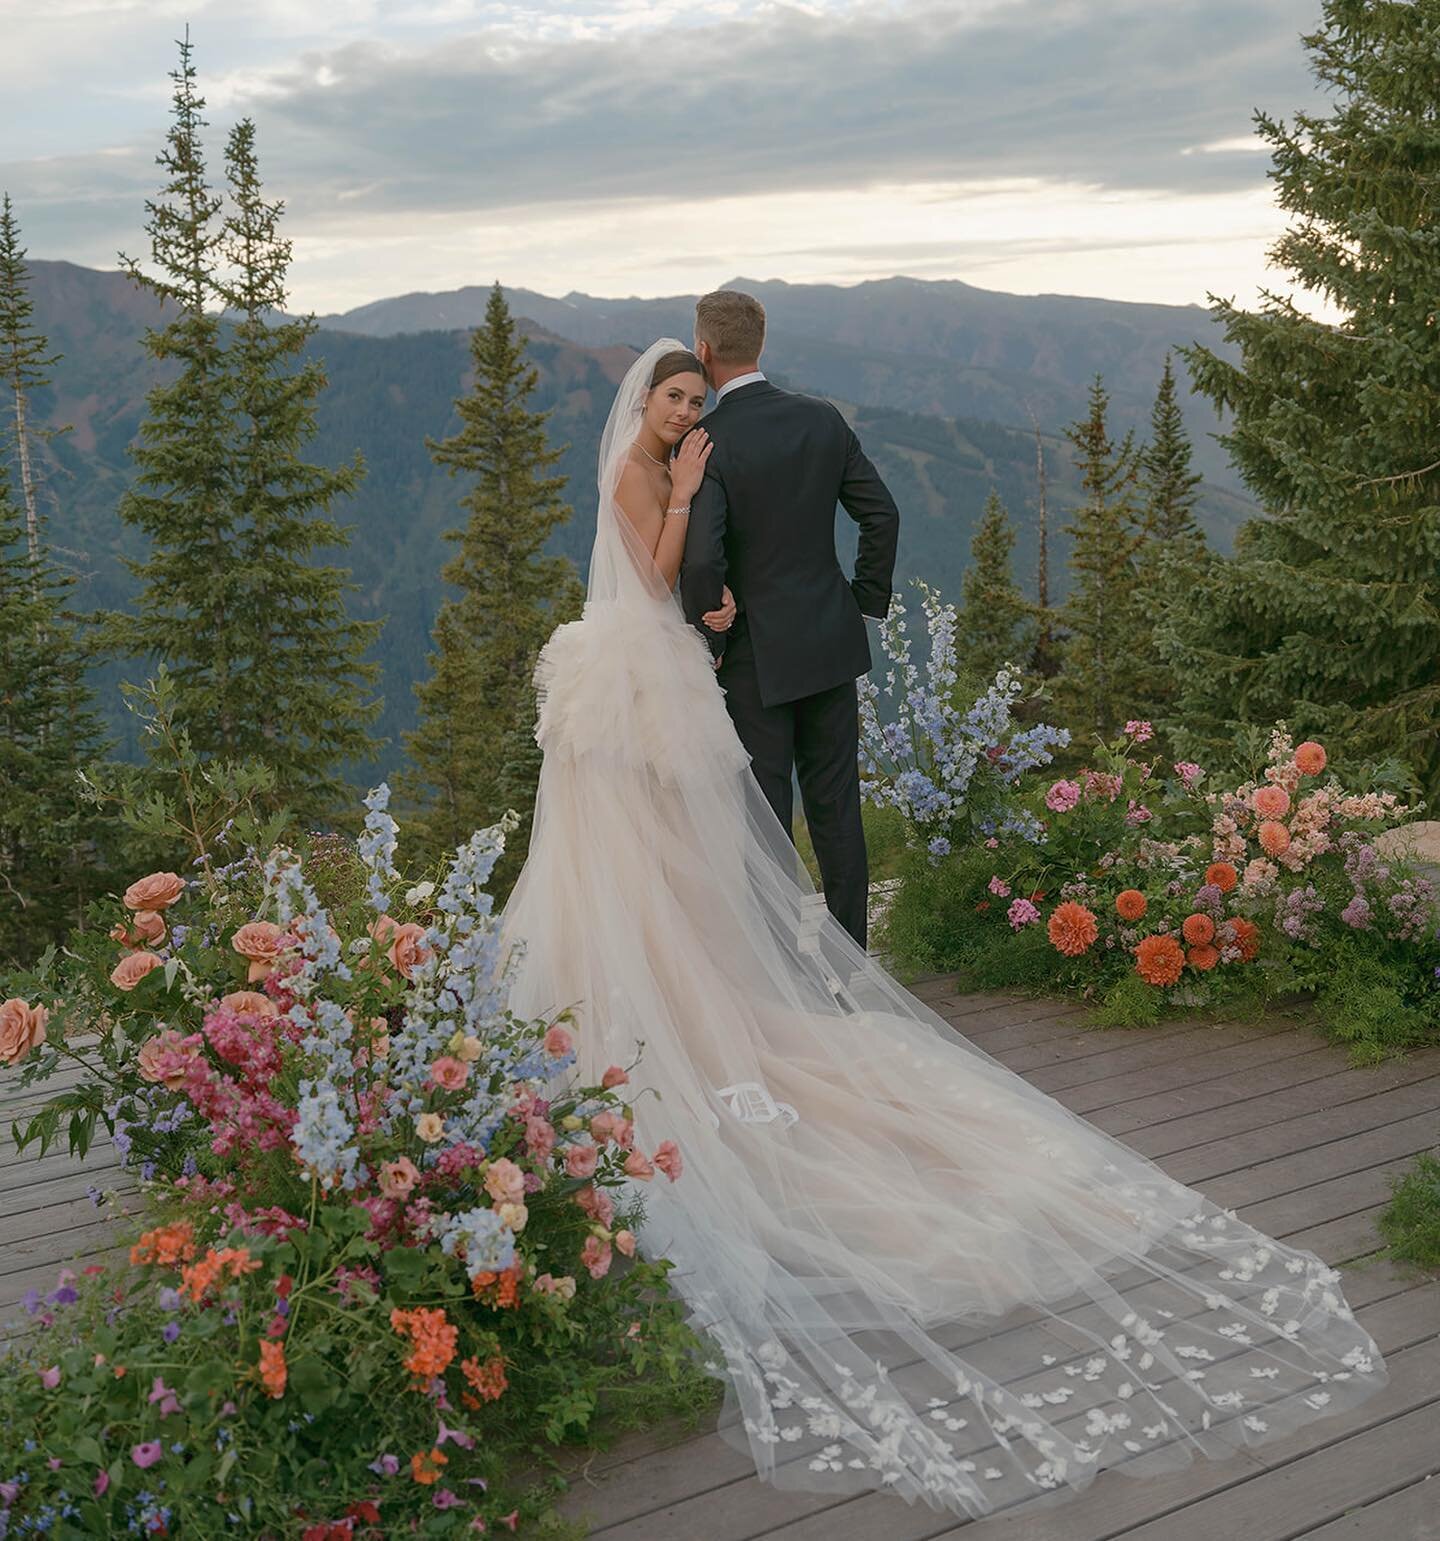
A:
{"x": 763, "y": 521}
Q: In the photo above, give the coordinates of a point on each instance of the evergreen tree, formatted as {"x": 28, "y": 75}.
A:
{"x": 296, "y": 702}
{"x": 25, "y": 361}
{"x": 1166, "y": 483}
{"x": 989, "y": 627}
{"x": 185, "y": 610}
{"x": 1096, "y": 687}
{"x": 1329, "y": 614}
{"x": 478, "y": 706}
{"x": 48, "y": 731}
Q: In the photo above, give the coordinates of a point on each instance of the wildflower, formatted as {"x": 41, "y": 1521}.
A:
{"x": 999, "y": 887}
{"x": 1198, "y": 929}
{"x": 1131, "y": 904}
{"x": 385, "y": 1466}
{"x": 161, "y": 1393}
{"x": 488, "y": 1380}
{"x": 1189, "y": 773}
{"x": 1062, "y": 796}
{"x": 1022, "y": 913}
{"x": 50, "y": 1378}
{"x": 102, "y": 1482}
{"x": 1137, "y": 813}
{"x": 614, "y": 1077}
{"x": 1356, "y": 914}
{"x": 146, "y": 1454}
{"x": 939, "y": 848}
{"x": 1072, "y": 929}
{"x": 667, "y": 1159}
{"x": 273, "y": 1372}
{"x": 445, "y": 1499}
{"x": 1140, "y": 732}
{"x": 1159, "y": 960}
{"x": 1310, "y": 758}
{"x": 425, "y": 1466}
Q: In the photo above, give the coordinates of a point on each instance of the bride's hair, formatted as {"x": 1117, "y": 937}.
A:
{"x": 679, "y": 362}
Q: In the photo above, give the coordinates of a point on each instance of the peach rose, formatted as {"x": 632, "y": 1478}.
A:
{"x": 449, "y": 1074}
{"x": 132, "y": 968}
{"x": 639, "y": 1165}
{"x": 407, "y": 948}
{"x": 249, "y": 1003}
{"x": 513, "y": 1215}
{"x": 259, "y": 942}
{"x": 596, "y": 1203}
{"x": 667, "y": 1159}
{"x": 602, "y": 1126}
{"x": 165, "y": 1059}
{"x": 430, "y": 1127}
{"x": 625, "y": 1242}
{"x": 146, "y": 927}
{"x": 1271, "y": 802}
{"x": 398, "y": 1178}
{"x": 22, "y": 1028}
{"x": 624, "y": 1133}
{"x": 595, "y": 1255}
{"x": 614, "y": 1077}
{"x": 157, "y": 892}
{"x": 580, "y": 1160}
{"x": 539, "y": 1137}
{"x": 505, "y": 1182}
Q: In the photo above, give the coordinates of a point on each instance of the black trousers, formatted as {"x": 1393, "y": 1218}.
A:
{"x": 816, "y": 739}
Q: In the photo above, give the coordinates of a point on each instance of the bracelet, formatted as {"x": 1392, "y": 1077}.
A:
{"x": 685, "y": 509}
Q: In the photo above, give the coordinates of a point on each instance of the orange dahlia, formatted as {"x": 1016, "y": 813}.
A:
{"x": 1159, "y": 960}
{"x": 1130, "y": 905}
{"x": 1274, "y": 838}
{"x": 1271, "y": 802}
{"x": 1247, "y": 938}
{"x": 1309, "y": 758}
{"x": 1203, "y": 957}
{"x": 1199, "y": 930}
{"x": 1072, "y": 929}
{"x": 1221, "y": 875}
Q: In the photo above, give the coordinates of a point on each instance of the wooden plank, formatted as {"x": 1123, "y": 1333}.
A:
{"x": 1291, "y": 1500}
{"x": 1172, "y": 1052}
{"x": 1129, "y": 1084}
{"x": 70, "y": 1185}
{"x": 739, "y": 1509}
{"x": 1120, "y": 1047}
{"x": 1331, "y": 1200}
{"x": 1412, "y": 1514}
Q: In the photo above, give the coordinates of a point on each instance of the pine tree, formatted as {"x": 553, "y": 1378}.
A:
{"x": 989, "y": 627}
{"x": 478, "y": 705}
{"x": 185, "y": 610}
{"x": 1166, "y": 483}
{"x": 1045, "y": 648}
{"x": 25, "y": 361}
{"x": 1329, "y": 614}
{"x": 297, "y": 701}
{"x": 1095, "y": 689}
{"x": 48, "y": 731}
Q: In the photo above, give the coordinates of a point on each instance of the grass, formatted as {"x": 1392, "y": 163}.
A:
{"x": 1411, "y": 1221}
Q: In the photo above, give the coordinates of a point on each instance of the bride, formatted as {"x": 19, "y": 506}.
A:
{"x": 916, "y": 1272}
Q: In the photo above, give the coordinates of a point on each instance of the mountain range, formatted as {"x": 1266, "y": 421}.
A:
{"x": 941, "y": 380}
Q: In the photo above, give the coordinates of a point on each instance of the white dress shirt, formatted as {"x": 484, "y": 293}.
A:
{"x": 736, "y": 383}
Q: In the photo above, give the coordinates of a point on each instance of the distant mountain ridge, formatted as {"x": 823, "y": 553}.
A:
{"x": 390, "y": 386}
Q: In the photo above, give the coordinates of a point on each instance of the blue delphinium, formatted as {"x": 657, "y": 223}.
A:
{"x": 376, "y": 848}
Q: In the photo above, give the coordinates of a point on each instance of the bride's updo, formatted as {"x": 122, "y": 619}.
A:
{"x": 681, "y": 362}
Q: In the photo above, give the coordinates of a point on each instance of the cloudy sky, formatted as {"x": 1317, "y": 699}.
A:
{"x": 650, "y": 147}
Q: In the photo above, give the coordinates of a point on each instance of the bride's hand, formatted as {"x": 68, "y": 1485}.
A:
{"x": 723, "y": 618}
{"x": 687, "y": 469}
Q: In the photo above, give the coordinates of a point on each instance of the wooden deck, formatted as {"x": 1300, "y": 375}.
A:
{"x": 1265, "y": 1118}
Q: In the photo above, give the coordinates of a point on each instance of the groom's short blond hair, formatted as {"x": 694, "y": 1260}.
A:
{"x": 733, "y": 324}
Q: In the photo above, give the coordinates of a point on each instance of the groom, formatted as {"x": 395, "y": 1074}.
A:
{"x": 764, "y": 522}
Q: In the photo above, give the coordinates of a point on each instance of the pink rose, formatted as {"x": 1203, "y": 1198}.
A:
{"x": 166, "y": 1058}
{"x": 639, "y": 1165}
{"x": 614, "y": 1077}
{"x": 22, "y": 1028}
{"x": 449, "y": 1073}
{"x": 625, "y": 1243}
{"x": 407, "y": 948}
{"x": 259, "y": 942}
{"x": 580, "y": 1160}
{"x": 398, "y": 1178}
{"x": 157, "y": 892}
{"x": 505, "y": 1182}
{"x": 559, "y": 1042}
{"x": 667, "y": 1158}
{"x": 539, "y": 1137}
{"x": 602, "y": 1126}
{"x": 1062, "y": 796}
{"x": 596, "y": 1256}
{"x": 624, "y": 1133}
{"x": 596, "y": 1203}
{"x": 132, "y": 968}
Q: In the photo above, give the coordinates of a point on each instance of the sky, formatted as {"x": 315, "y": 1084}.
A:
{"x": 649, "y": 147}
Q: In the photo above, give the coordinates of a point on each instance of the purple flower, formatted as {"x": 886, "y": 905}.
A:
{"x": 9, "y": 1492}
{"x": 386, "y": 1465}
{"x": 1209, "y": 898}
{"x": 162, "y": 1394}
{"x": 1022, "y": 913}
{"x": 64, "y": 1296}
{"x": 32, "y": 1301}
{"x": 50, "y": 1378}
{"x": 1141, "y": 732}
{"x": 170, "y": 1331}
{"x": 445, "y": 1499}
{"x": 145, "y": 1455}
{"x": 1356, "y": 914}
{"x": 1062, "y": 796}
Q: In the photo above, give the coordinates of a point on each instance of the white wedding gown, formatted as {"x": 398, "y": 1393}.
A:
{"x": 917, "y": 1271}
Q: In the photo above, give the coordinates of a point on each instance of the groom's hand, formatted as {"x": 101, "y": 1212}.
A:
{"x": 723, "y": 618}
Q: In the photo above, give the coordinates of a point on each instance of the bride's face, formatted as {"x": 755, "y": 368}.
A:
{"x": 674, "y": 407}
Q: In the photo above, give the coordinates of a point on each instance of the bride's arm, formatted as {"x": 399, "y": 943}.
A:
{"x": 662, "y": 526}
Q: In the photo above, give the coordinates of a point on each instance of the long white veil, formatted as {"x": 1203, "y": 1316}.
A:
{"x": 916, "y": 1271}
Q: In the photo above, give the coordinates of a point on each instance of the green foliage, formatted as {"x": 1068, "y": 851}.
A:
{"x": 478, "y": 705}
{"x": 1101, "y": 615}
{"x": 1329, "y": 613}
{"x": 1411, "y": 1220}
{"x": 989, "y": 631}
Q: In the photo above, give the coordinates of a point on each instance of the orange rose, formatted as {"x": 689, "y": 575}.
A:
{"x": 1221, "y": 875}
{"x": 157, "y": 892}
{"x": 132, "y": 968}
{"x": 146, "y": 928}
{"x": 1274, "y": 838}
{"x": 167, "y": 1058}
{"x": 407, "y": 948}
{"x": 1199, "y": 930}
{"x": 1130, "y": 905}
{"x": 1072, "y": 929}
{"x": 1159, "y": 960}
{"x": 1309, "y": 758}
{"x": 259, "y": 941}
{"x": 249, "y": 1003}
{"x": 22, "y": 1028}
{"x": 1203, "y": 958}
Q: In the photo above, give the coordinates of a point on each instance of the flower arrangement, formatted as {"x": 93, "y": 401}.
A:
{"x": 378, "y": 1263}
{"x": 1142, "y": 891}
